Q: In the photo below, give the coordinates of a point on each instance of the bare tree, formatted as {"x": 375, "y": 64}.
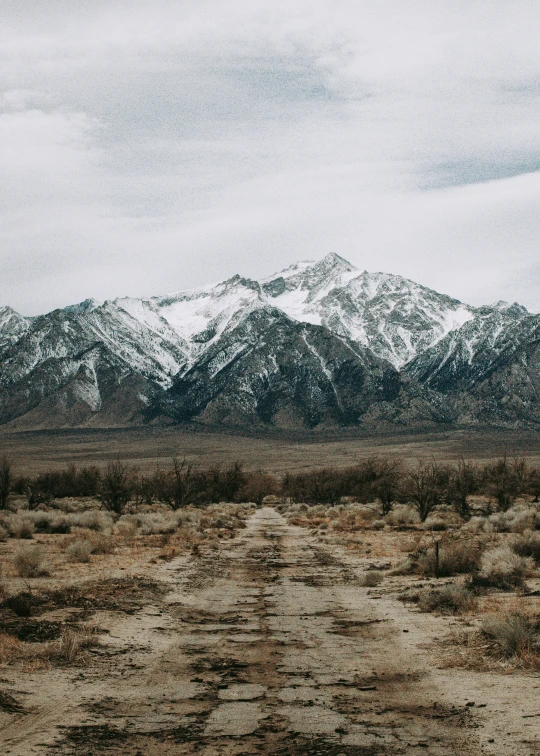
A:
{"x": 533, "y": 483}
{"x": 424, "y": 486}
{"x": 386, "y": 485}
{"x": 115, "y": 486}
{"x": 505, "y": 479}
{"x": 184, "y": 483}
{"x": 6, "y": 478}
{"x": 463, "y": 481}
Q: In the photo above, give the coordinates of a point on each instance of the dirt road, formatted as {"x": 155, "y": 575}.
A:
{"x": 268, "y": 645}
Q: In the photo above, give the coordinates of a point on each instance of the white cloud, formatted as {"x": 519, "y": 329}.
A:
{"x": 150, "y": 149}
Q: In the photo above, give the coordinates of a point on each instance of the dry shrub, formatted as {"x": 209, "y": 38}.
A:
{"x": 34, "y": 655}
{"x": 21, "y": 527}
{"x": 11, "y": 648}
{"x": 158, "y": 523}
{"x": 478, "y": 524}
{"x": 101, "y": 522}
{"x": 378, "y": 524}
{"x": 29, "y": 561}
{"x": 436, "y": 524}
{"x": 74, "y": 641}
{"x": 126, "y": 528}
{"x": 516, "y": 634}
{"x": 502, "y": 568}
{"x": 79, "y": 551}
{"x": 4, "y": 535}
{"x": 455, "y": 558}
{"x": 50, "y": 522}
{"x": 450, "y": 599}
{"x": 102, "y": 543}
{"x": 402, "y": 516}
{"x": 515, "y": 520}
{"x": 528, "y": 545}
{"x": 371, "y": 578}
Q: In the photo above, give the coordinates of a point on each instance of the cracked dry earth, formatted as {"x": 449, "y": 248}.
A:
{"x": 267, "y": 646}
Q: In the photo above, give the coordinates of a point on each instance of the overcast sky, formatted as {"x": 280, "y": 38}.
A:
{"x": 147, "y": 147}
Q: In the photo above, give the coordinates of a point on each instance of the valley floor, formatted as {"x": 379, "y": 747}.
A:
{"x": 146, "y": 447}
{"x": 268, "y": 645}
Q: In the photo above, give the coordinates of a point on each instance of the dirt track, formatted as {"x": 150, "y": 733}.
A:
{"x": 266, "y": 646}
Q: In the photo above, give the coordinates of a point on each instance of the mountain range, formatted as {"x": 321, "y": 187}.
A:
{"x": 319, "y": 345}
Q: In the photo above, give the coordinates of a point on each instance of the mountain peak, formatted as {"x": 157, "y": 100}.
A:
{"x": 83, "y": 307}
{"x": 333, "y": 260}
{"x": 510, "y": 308}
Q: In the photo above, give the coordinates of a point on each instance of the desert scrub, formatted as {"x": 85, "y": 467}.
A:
{"x": 79, "y": 551}
{"x": 101, "y": 522}
{"x": 371, "y": 578}
{"x": 435, "y": 524}
{"x": 29, "y": 561}
{"x": 454, "y": 558}
{"x": 102, "y": 543}
{"x": 515, "y": 635}
{"x": 502, "y": 568}
{"x": 158, "y": 523}
{"x": 450, "y": 599}
{"x": 402, "y": 516}
{"x": 528, "y": 545}
{"x": 73, "y": 641}
{"x": 127, "y": 527}
{"x": 21, "y": 527}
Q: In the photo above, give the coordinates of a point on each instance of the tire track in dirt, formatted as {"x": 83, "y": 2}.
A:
{"x": 267, "y": 646}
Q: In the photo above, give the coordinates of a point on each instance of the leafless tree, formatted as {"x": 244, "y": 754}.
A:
{"x": 6, "y": 478}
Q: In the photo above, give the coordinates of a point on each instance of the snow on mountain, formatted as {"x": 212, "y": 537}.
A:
{"x": 318, "y": 342}
{"x": 83, "y": 307}
{"x": 394, "y": 317}
{"x": 12, "y": 326}
{"x": 270, "y": 369}
{"x": 200, "y": 316}
{"x": 468, "y": 353}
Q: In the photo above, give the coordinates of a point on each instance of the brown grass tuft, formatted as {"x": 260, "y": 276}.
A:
{"x": 29, "y": 561}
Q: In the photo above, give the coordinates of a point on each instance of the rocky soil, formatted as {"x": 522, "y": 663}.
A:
{"x": 269, "y": 645}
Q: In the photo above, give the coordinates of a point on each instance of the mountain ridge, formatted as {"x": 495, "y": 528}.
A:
{"x": 224, "y": 353}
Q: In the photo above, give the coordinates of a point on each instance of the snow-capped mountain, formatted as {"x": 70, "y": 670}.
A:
{"x": 318, "y": 343}
{"x": 12, "y": 326}
{"x": 394, "y": 317}
{"x": 390, "y": 315}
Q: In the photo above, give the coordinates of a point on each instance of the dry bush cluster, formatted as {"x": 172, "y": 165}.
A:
{"x": 68, "y": 649}
{"x": 424, "y": 487}
{"x": 449, "y": 599}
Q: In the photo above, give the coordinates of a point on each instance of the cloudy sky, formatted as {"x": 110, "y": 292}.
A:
{"x": 151, "y": 147}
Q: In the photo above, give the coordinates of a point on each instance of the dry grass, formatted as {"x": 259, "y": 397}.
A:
{"x": 450, "y": 599}
{"x": 102, "y": 543}
{"x": 506, "y": 642}
{"x": 528, "y": 545}
{"x": 73, "y": 642}
{"x": 68, "y": 649}
{"x": 29, "y": 561}
{"x": 371, "y": 578}
{"x": 21, "y": 527}
{"x": 455, "y": 558}
{"x": 502, "y": 568}
{"x": 79, "y": 551}
{"x": 516, "y": 635}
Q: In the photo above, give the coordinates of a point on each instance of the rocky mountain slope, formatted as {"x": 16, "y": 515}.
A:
{"x": 319, "y": 344}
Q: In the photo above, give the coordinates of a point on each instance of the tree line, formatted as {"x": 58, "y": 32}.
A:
{"x": 381, "y": 481}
